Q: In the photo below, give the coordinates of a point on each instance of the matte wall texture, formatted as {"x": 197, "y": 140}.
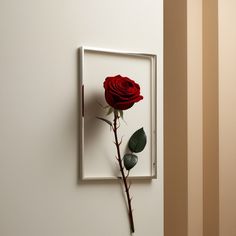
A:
{"x": 227, "y": 116}
{"x": 40, "y": 194}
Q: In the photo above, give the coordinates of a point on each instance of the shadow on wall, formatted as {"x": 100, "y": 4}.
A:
{"x": 91, "y": 108}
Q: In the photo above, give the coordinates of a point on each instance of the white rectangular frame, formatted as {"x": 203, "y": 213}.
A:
{"x": 153, "y": 79}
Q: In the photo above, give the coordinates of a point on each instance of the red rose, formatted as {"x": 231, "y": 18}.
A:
{"x": 121, "y": 92}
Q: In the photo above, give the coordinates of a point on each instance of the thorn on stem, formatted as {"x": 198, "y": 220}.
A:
{"x": 120, "y": 141}
{"x": 129, "y": 186}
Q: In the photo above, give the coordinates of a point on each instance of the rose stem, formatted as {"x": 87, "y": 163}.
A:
{"x": 124, "y": 178}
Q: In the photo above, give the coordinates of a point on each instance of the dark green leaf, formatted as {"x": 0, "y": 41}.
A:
{"x": 130, "y": 160}
{"x": 107, "y": 121}
{"x": 138, "y": 141}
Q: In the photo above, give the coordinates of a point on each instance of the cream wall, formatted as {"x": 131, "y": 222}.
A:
{"x": 38, "y": 101}
{"x": 227, "y": 116}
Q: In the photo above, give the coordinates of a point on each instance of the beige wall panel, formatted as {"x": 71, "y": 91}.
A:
{"x": 227, "y": 116}
{"x": 195, "y": 132}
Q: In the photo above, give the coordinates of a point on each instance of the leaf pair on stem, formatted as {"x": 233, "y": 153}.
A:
{"x": 136, "y": 144}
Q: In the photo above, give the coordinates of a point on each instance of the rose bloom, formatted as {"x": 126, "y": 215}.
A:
{"x": 121, "y": 92}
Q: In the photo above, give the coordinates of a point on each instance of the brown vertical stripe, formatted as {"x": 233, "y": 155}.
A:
{"x": 210, "y": 119}
{"x": 175, "y": 117}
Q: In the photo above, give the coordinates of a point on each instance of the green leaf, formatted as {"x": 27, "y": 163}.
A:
{"x": 107, "y": 121}
{"x": 121, "y": 114}
{"x": 130, "y": 160}
{"x": 110, "y": 111}
{"x": 138, "y": 141}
